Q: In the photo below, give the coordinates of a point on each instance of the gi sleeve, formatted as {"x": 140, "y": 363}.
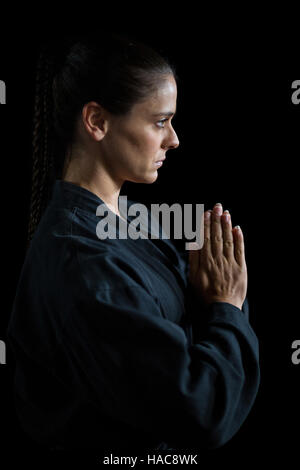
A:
{"x": 138, "y": 367}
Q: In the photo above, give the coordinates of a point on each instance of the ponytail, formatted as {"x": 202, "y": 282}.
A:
{"x": 42, "y": 143}
{"x": 47, "y": 156}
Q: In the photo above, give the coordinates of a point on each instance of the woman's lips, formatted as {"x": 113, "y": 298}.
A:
{"x": 160, "y": 162}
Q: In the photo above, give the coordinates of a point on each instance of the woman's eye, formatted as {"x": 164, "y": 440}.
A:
{"x": 161, "y": 122}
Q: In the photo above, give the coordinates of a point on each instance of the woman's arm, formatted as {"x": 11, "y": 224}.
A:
{"x": 138, "y": 367}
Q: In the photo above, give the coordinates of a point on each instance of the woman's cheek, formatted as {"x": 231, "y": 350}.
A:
{"x": 153, "y": 141}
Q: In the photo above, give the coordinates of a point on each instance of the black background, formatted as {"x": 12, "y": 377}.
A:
{"x": 238, "y": 132}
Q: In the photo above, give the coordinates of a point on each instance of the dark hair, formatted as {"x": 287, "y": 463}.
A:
{"x": 114, "y": 71}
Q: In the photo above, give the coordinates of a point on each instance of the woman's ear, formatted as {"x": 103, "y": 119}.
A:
{"x": 94, "y": 119}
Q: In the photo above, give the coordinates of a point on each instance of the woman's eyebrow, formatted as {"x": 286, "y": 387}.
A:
{"x": 166, "y": 113}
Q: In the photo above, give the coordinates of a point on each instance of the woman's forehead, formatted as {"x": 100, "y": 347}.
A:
{"x": 161, "y": 102}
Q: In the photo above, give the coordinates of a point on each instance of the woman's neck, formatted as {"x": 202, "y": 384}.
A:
{"x": 93, "y": 176}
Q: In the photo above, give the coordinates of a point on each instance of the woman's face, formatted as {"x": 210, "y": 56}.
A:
{"x": 135, "y": 142}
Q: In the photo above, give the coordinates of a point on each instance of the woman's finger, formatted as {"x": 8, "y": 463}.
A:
{"x": 239, "y": 248}
{"x": 216, "y": 231}
{"x": 228, "y": 245}
{"x": 206, "y": 249}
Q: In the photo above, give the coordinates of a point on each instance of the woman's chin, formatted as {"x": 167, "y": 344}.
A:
{"x": 147, "y": 178}
{"x": 152, "y": 177}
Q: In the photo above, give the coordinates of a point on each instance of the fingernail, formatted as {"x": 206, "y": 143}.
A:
{"x": 207, "y": 215}
{"x": 226, "y": 217}
{"x": 226, "y": 212}
{"x": 237, "y": 227}
{"x": 218, "y": 209}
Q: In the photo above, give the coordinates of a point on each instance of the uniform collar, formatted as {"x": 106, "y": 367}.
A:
{"x": 69, "y": 195}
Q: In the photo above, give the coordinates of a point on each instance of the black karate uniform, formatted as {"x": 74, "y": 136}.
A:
{"x": 112, "y": 352}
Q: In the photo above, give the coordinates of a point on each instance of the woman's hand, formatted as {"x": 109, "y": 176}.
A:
{"x": 218, "y": 271}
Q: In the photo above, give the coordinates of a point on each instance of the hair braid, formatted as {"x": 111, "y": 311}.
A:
{"x": 42, "y": 158}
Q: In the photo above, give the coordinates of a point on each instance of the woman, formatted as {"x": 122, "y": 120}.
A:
{"x": 122, "y": 343}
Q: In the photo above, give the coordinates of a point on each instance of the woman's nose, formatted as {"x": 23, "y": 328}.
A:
{"x": 172, "y": 142}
